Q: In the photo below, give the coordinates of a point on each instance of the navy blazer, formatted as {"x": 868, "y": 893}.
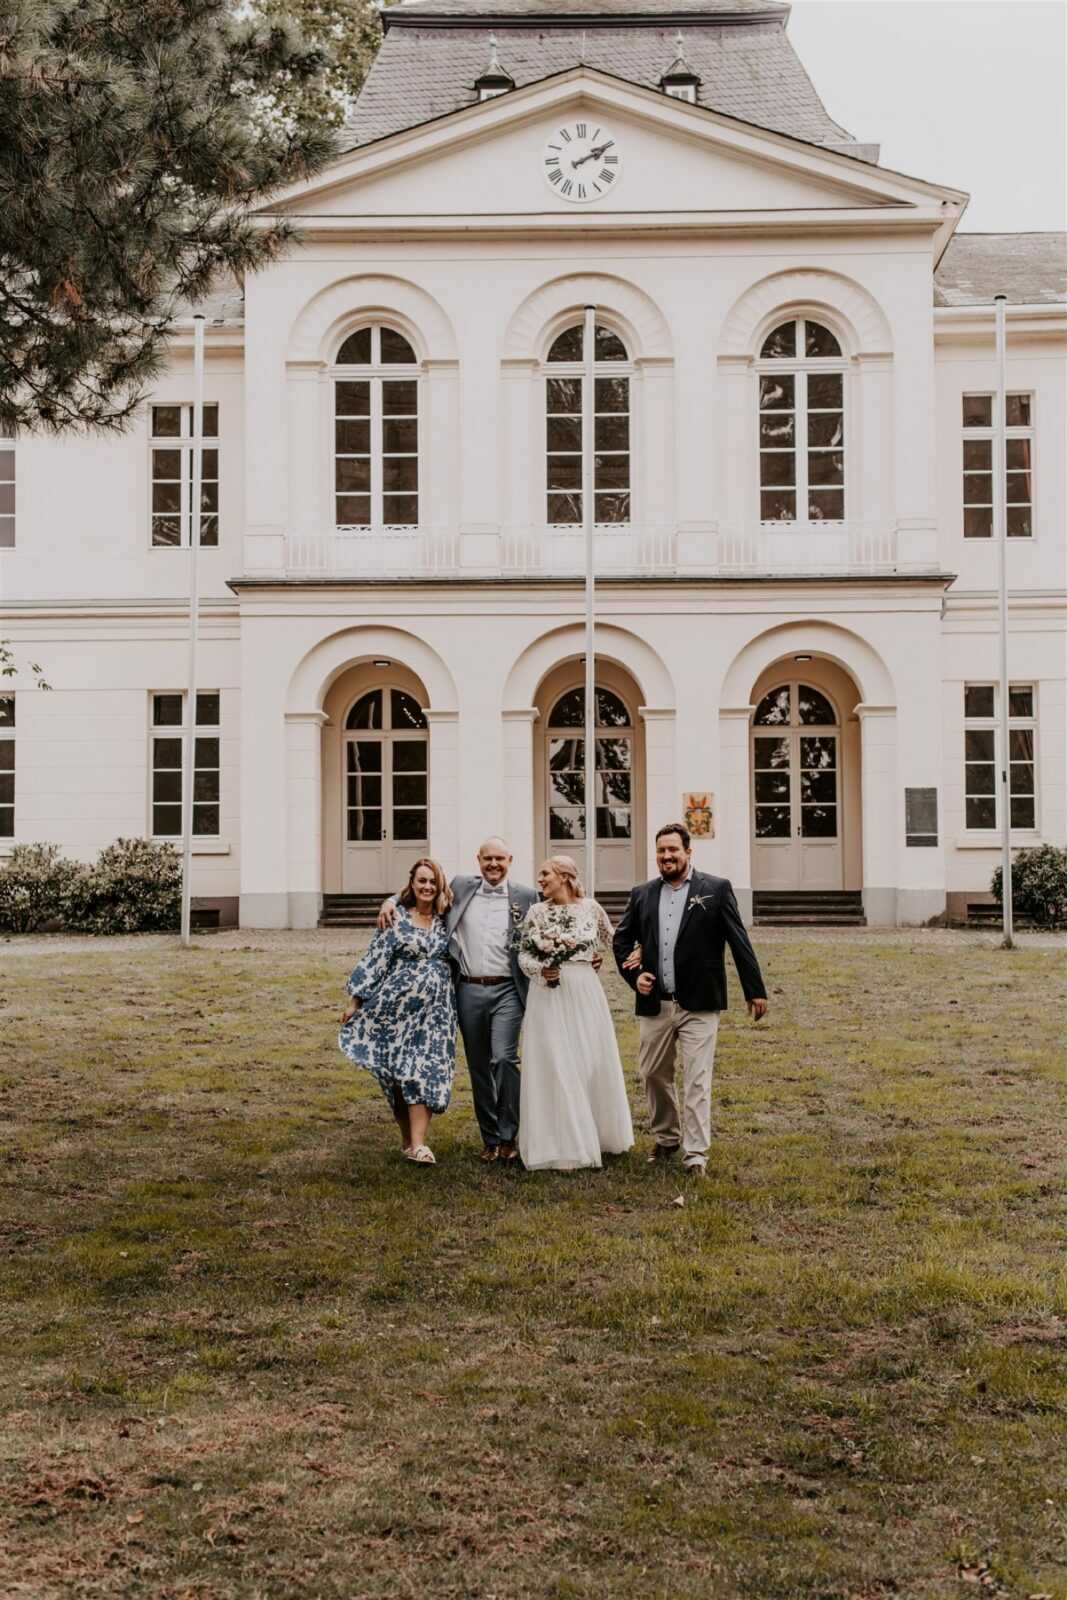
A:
{"x": 710, "y": 922}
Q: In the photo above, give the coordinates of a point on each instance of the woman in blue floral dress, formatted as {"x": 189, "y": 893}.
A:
{"x": 400, "y": 1023}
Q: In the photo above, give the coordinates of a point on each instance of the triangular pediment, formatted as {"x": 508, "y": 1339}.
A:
{"x": 494, "y": 160}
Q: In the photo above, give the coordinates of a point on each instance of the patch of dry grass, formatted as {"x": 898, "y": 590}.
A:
{"x": 248, "y": 1352}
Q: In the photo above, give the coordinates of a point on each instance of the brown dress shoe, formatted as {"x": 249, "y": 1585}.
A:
{"x": 490, "y": 1153}
{"x": 661, "y": 1152}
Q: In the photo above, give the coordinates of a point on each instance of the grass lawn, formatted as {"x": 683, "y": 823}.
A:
{"x": 247, "y": 1351}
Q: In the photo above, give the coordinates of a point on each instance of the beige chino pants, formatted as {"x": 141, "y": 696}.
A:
{"x": 696, "y": 1032}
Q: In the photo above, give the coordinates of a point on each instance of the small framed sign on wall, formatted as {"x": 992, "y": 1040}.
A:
{"x": 699, "y": 811}
{"x": 920, "y": 817}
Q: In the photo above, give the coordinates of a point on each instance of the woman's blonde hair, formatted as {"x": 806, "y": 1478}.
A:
{"x": 567, "y": 868}
{"x": 443, "y": 897}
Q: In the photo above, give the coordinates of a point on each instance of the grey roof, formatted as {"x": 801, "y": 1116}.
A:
{"x": 1030, "y": 268}
{"x": 593, "y": 9}
{"x": 428, "y": 62}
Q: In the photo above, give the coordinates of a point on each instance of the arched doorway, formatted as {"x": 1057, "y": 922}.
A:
{"x": 619, "y": 785}
{"x": 805, "y": 805}
{"x": 385, "y": 789}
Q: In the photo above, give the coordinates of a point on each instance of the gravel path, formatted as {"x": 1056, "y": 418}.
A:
{"x": 341, "y": 939}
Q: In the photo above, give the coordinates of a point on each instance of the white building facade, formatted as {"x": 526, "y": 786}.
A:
{"x": 794, "y": 398}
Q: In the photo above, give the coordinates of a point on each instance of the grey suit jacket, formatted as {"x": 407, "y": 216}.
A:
{"x": 520, "y": 899}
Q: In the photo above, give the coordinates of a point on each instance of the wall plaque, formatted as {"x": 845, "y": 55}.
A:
{"x": 920, "y": 817}
{"x": 699, "y": 812}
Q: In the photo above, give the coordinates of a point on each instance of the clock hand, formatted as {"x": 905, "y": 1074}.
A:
{"x": 594, "y": 154}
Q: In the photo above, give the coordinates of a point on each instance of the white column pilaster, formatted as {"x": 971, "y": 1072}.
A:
{"x": 440, "y": 432}
{"x": 663, "y": 801}
{"x": 445, "y": 789}
{"x": 653, "y": 455}
{"x": 736, "y": 413}
{"x": 733, "y": 808}
{"x": 882, "y": 807}
{"x": 519, "y": 818}
{"x": 522, "y": 456}
{"x": 303, "y": 787}
{"x": 870, "y": 442}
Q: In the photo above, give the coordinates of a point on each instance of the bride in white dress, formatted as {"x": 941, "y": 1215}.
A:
{"x": 573, "y": 1106}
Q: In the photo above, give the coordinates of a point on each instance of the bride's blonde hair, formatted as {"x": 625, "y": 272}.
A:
{"x": 567, "y": 868}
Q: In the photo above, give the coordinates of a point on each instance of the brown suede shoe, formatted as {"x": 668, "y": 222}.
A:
{"x": 661, "y": 1152}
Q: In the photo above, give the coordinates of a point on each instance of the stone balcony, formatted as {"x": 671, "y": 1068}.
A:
{"x": 764, "y": 551}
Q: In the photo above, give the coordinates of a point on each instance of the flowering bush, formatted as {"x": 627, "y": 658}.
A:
{"x": 135, "y": 887}
{"x": 1038, "y": 885}
{"x": 37, "y": 887}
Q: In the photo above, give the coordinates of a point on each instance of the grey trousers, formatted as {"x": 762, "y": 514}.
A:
{"x": 696, "y": 1032}
{"x": 490, "y": 1020}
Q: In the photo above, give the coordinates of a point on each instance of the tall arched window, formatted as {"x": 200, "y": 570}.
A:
{"x": 611, "y": 427}
{"x": 801, "y": 424}
{"x": 376, "y": 430}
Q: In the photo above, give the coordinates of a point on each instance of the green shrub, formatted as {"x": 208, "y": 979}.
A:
{"x": 135, "y": 887}
{"x": 1038, "y": 885}
{"x": 37, "y": 887}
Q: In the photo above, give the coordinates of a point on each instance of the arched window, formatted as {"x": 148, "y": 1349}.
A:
{"x": 376, "y": 430}
{"x": 801, "y": 424}
{"x": 611, "y": 427}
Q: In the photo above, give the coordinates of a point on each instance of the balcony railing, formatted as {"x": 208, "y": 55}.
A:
{"x": 833, "y": 549}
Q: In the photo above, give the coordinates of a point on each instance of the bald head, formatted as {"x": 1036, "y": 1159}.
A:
{"x": 494, "y": 859}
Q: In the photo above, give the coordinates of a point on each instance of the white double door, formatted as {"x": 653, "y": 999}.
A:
{"x": 796, "y": 809}
{"x": 386, "y": 816}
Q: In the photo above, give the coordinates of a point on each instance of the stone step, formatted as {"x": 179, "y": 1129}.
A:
{"x": 813, "y": 920}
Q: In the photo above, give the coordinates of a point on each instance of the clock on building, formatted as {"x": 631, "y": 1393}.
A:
{"x": 582, "y": 162}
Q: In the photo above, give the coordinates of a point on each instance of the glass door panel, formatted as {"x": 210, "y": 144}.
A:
{"x": 818, "y": 787}
{"x": 773, "y": 787}
{"x": 363, "y": 798}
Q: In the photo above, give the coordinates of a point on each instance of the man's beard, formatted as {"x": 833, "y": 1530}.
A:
{"x": 672, "y": 874}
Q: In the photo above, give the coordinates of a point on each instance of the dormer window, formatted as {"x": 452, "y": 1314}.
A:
{"x": 679, "y": 81}
{"x": 495, "y": 80}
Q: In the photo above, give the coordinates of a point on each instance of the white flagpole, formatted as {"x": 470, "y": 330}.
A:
{"x": 589, "y": 523}
{"x": 1000, "y": 533}
{"x": 189, "y": 739}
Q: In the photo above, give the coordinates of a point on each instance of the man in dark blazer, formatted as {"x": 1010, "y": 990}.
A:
{"x": 670, "y": 948}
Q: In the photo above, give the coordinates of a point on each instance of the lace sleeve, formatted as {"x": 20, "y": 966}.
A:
{"x": 605, "y": 932}
{"x": 529, "y": 964}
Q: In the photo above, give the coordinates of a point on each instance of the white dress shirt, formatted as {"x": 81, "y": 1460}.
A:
{"x": 482, "y": 933}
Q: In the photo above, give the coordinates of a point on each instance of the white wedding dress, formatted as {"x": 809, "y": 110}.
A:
{"x": 573, "y": 1106}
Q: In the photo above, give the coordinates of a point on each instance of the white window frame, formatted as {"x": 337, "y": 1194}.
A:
{"x": 991, "y": 724}
{"x": 184, "y": 442}
{"x": 7, "y": 737}
{"x": 376, "y": 372}
{"x": 973, "y": 433}
{"x": 7, "y": 518}
{"x": 176, "y": 730}
{"x": 800, "y": 368}
{"x": 576, "y": 369}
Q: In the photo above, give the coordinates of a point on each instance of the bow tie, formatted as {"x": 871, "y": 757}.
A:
{"x": 487, "y": 890}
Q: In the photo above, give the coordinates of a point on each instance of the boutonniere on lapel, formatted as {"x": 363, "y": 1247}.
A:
{"x": 518, "y": 917}
{"x": 700, "y": 900}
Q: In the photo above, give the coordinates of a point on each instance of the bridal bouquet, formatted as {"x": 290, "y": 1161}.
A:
{"x": 554, "y": 939}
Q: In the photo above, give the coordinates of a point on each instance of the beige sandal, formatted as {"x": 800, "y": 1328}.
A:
{"x": 422, "y": 1155}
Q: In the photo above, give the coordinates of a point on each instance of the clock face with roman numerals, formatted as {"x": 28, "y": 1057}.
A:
{"x": 582, "y": 162}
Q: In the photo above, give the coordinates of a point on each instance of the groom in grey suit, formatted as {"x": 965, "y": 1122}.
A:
{"x": 485, "y": 925}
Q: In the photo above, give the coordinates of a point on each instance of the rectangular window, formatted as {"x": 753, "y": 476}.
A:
{"x": 802, "y": 446}
{"x": 168, "y": 728}
{"x": 611, "y": 450}
{"x": 7, "y": 486}
{"x": 376, "y": 451}
{"x": 982, "y": 757}
{"x": 7, "y": 766}
{"x": 172, "y": 476}
{"x": 979, "y": 418}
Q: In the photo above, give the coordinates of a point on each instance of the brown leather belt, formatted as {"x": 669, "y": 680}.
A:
{"x": 463, "y": 978}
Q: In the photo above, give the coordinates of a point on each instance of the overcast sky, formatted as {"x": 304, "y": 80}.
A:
{"x": 969, "y": 93}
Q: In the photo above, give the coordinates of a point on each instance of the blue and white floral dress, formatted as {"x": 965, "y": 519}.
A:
{"x": 405, "y": 1030}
